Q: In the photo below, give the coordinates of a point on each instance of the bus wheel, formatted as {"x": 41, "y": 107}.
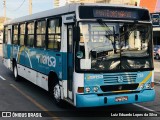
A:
{"x": 55, "y": 92}
{"x": 15, "y": 72}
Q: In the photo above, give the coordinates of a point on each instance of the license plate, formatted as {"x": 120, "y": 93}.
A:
{"x": 120, "y": 99}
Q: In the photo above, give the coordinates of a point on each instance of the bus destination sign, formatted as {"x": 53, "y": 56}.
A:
{"x": 98, "y": 13}
{"x": 121, "y": 13}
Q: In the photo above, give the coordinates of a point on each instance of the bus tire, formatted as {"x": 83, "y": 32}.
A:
{"x": 55, "y": 92}
{"x": 15, "y": 72}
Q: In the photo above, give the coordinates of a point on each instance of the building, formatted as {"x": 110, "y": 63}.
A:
{"x": 58, "y": 3}
{"x": 1, "y": 29}
{"x": 2, "y": 19}
{"x": 1, "y": 23}
{"x": 152, "y": 5}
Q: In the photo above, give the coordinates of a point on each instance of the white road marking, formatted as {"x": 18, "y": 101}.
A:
{"x": 145, "y": 108}
{"x": 36, "y": 103}
{"x": 2, "y": 78}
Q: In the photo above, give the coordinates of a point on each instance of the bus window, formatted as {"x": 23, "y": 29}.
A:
{"x": 15, "y": 34}
{"x": 22, "y": 34}
{"x": 5, "y": 35}
{"x": 9, "y": 36}
{"x": 54, "y": 35}
{"x": 30, "y": 34}
{"x": 41, "y": 31}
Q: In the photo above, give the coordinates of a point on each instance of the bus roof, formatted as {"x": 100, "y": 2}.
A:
{"x": 61, "y": 10}
{"x": 48, "y": 13}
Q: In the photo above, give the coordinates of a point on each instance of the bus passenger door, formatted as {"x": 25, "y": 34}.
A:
{"x": 7, "y": 43}
{"x": 7, "y": 47}
{"x": 70, "y": 61}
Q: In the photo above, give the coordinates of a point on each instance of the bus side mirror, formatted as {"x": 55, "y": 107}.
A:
{"x": 76, "y": 34}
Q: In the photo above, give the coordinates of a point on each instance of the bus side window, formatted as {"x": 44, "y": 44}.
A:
{"x": 22, "y": 34}
{"x": 5, "y": 39}
{"x": 30, "y": 34}
{"x": 40, "y": 33}
{"x": 15, "y": 34}
{"x": 54, "y": 34}
{"x": 9, "y": 36}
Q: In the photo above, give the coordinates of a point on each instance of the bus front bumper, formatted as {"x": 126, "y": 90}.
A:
{"x": 93, "y": 100}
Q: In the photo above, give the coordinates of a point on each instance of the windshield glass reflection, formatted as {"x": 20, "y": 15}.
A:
{"x": 114, "y": 46}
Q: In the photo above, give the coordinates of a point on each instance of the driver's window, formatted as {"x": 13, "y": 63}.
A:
{"x": 84, "y": 36}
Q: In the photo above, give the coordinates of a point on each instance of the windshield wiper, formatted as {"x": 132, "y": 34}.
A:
{"x": 110, "y": 32}
{"x": 104, "y": 24}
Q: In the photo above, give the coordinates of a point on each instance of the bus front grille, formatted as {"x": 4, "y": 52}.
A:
{"x": 123, "y": 78}
{"x": 108, "y": 88}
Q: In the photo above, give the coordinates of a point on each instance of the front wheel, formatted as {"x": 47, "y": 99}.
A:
{"x": 55, "y": 92}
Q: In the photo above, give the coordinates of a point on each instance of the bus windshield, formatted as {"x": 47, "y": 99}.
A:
{"x": 114, "y": 46}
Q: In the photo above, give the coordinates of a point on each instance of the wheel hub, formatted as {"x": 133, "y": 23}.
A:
{"x": 15, "y": 72}
{"x": 57, "y": 92}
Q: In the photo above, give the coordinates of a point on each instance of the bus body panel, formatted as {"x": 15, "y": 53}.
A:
{"x": 36, "y": 64}
{"x": 117, "y": 78}
{"x": 40, "y": 60}
{"x": 33, "y": 76}
{"x": 107, "y": 97}
{"x": 93, "y": 100}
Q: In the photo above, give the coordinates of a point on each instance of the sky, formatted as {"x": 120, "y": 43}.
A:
{"x": 15, "y": 8}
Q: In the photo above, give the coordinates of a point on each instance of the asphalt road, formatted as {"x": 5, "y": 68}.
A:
{"x": 24, "y": 96}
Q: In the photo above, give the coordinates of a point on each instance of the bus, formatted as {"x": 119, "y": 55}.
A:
{"x": 1, "y": 37}
{"x": 86, "y": 54}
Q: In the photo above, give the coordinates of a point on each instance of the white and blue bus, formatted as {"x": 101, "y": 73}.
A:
{"x": 86, "y": 54}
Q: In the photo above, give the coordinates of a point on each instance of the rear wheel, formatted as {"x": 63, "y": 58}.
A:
{"x": 15, "y": 72}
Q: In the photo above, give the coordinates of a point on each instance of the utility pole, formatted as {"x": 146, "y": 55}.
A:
{"x": 4, "y": 7}
{"x": 30, "y": 7}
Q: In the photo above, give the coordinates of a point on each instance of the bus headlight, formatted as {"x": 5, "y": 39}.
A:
{"x": 95, "y": 89}
{"x": 148, "y": 85}
{"x": 87, "y": 89}
{"x": 141, "y": 86}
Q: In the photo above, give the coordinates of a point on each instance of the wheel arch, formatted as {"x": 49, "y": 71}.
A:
{"x": 14, "y": 62}
{"x": 52, "y": 79}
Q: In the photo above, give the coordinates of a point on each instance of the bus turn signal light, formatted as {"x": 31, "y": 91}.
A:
{"x": 80, "y": 90}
